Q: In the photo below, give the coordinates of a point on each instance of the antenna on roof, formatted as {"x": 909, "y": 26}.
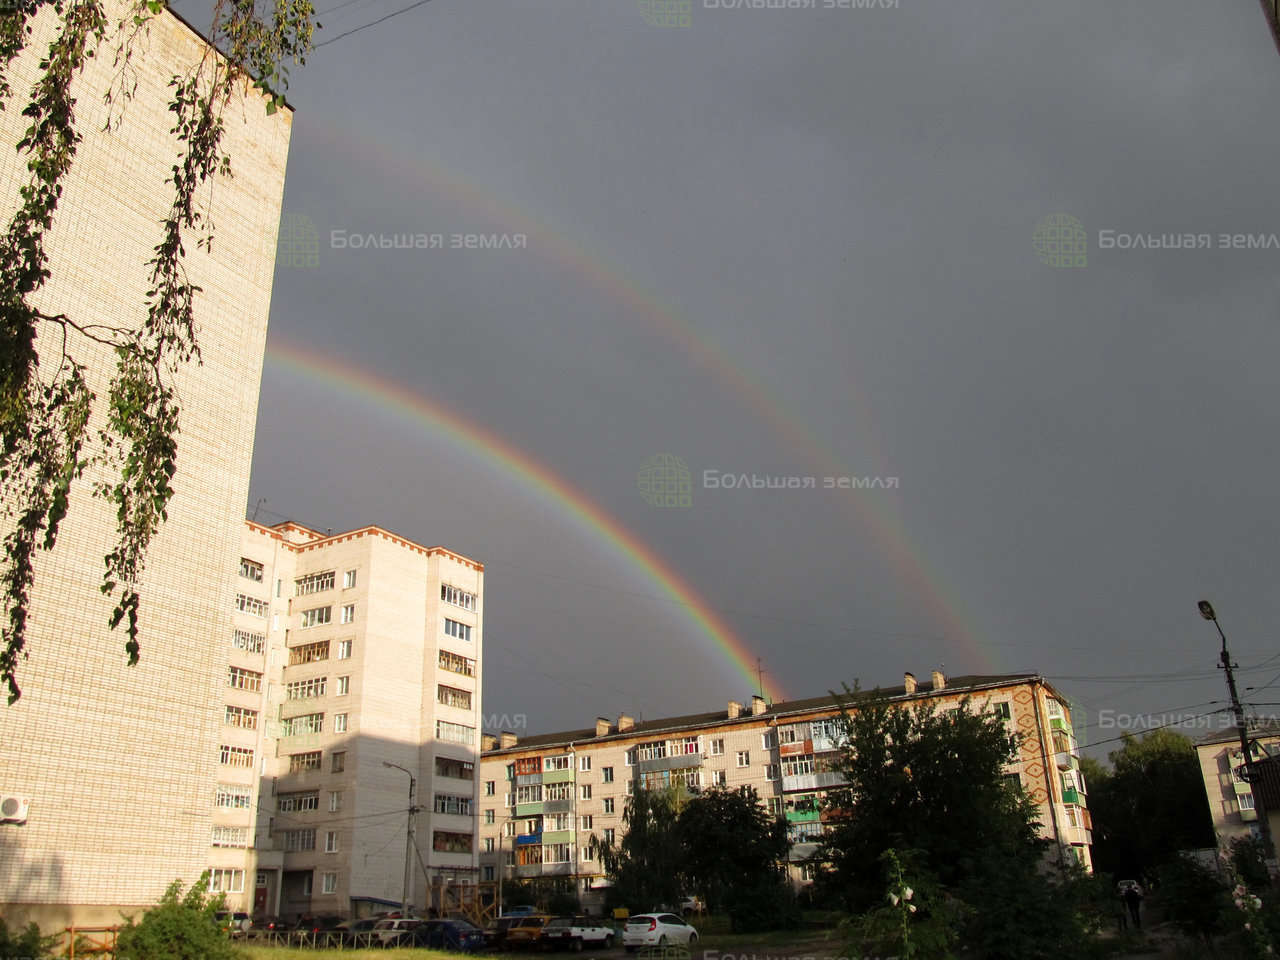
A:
{"x": 760, "y": 678}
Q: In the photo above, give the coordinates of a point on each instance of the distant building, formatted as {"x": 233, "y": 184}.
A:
{"x": 106, "y": 770}
{"x": 1271, "y": 10}
{"x": 1231, "y": 796}
{"x": 347, "y": 652}
{"x": 544, "y": 797}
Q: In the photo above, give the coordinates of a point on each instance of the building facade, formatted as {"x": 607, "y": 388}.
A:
{"x": 110, "y": 766}
{"x": 544, "y": 797}
{"x": 1231, "y": 796}
{"x": 354, "y": 664}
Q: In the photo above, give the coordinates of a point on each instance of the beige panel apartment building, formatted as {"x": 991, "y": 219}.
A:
{"x": 348, "y": 652}
{"x": 543, "y": 797}
{"x": 116, "y": 762}
{"x": 1231, "y": 796}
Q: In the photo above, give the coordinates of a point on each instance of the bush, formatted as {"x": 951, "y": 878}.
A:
{"x": 1194, "y": 898}
{"x": 767, "y": 904}
{"x": 179, "y": 927}
{"x": 28, "y": 943}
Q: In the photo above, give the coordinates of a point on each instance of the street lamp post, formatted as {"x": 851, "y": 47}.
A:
{"x": 408, "y": 847}
{"x": 1207, "y": 611}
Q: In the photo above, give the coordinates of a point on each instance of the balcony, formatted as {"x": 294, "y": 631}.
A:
{"x": 804, "y": 816}
{"x": 556, "y": 836}
{"x": 802, "y": 851}
{"x": 528, "y": 779}
{"x": 557, "y": 869}
{"x": 797, "y": 749}
{"x": 529, "y": 870}
{"x": 529, "y": 809}
{"x": 557, "y": 806}
{"x": 524, "y": 839}
{"x": 1070, "y": 795}
{"x": 680, "y": 762}
{"x": 1062, "y": 759}
{"x": 558, "y": 776}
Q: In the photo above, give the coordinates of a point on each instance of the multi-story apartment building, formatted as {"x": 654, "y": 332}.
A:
{"x": 543, "y": 797}
{"x": 107, "y": 768}
{"x": 1231, "y": 796}
{"x": 354, "y": 664}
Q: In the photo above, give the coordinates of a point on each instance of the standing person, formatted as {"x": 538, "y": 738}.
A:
{"x": 1133, "y": 899}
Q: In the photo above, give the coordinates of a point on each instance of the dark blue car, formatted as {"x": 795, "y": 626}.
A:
{"x": 461, "y": 936}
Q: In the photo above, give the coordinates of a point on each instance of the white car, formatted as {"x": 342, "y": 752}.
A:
{"x": 388, "y": 932}
{"x": 656, "y": 930}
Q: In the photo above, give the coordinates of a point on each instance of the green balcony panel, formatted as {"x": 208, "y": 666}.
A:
{"x": 529, "y": 809}
{"x": 556, "y": 836}
{"x": 557, "y": 776}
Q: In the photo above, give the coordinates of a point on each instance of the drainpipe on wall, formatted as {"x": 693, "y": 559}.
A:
{"x": 1048, "y": 784}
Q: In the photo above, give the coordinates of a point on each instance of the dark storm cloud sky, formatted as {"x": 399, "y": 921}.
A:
{"x": 843, "y": 203}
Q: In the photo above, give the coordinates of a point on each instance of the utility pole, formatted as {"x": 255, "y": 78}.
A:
{"x": 1207, "y": 611}
{"x": 408, "y": 846}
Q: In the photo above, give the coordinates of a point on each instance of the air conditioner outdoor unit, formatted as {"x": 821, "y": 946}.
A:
{"x": 13, "y": 809}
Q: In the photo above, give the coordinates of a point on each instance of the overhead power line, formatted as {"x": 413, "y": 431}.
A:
{"x": 371, "y": 23}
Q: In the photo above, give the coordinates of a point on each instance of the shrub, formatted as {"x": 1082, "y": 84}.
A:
{"x": 179, "y": 927}
{"x": 1194, "y": 898}
{"x": 28, "y": 943}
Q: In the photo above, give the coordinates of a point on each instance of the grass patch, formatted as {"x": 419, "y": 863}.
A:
{"x": 260, "y": 952}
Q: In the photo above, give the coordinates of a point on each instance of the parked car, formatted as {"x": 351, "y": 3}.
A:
{"x": 656, "y": 930}
{"x": 393, "y": 932}
{"x": 573, "y": 933}
{"x": 525, "y": 932}
{"x": 692, "y": 905}
{"x": 524, "y": 910}
{"x": 355, "y": 932}
{"x": 495, "y": 937}
{"x": 457, "y": 934}
{"x": 235, "y": 924}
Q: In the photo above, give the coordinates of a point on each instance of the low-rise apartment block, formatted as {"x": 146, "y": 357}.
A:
{"x": 544, "y": 797}
{"x": 1232, "y": 801}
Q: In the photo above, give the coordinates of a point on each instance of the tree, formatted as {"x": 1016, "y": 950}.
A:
{"x": 46, "y": 405}
{"x": 180, "y": 927}
{"x": 645, "y": 866}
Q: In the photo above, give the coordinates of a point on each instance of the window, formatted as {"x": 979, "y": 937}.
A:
{"x": 744, "y": 758}
{"x": 235, "y": 756}
{"x": 557, "y": 791}
{"x": 348, "y": 613}
{"x": 305, "y": 689}
{"x": 490, "y": 788}
{"x": 718, "y": 778}
{"x": 654, "y": 750}
{"x": 717, "y": 748}
{"x": 348, "y": 580}
{"x": 530, "y": 793}
{"x": 490, "y": 816}
{"x": 767, "y": 741}
{"x": 344, "y": 649}
{"x": 773, "y": 772}
{"x": 584, "y": 823}
{"x": 306, "y": 885}
{"x": 456, "y": 663}
{"x": 1246, "y": 801}
{"x": 584, "y": 792}
{"x": 808, "y": 871}
{"x": 250, "y": 570}
{"x": 453, "y": 697}
{"x": 248, "y": 642}
{"x": 344, "y": 686}
{"x": 798, "y": 766}
{"x": 309, "y": 653}
{"x": 230, "y": 837}
{"x": 606, "y": 773}
{"x": 556, "y": 763}
{"x": 251, "y": 605}
{"x": 584, "y": 762}
{"x": 232, "y": 796}
{"x": 608, "y": 835}
{"x": 447, "y": 842}
{"x": 631, "y": 787}
{"x": 450, "y": 803}
{"x": 340, "y": 723}
{"x": 241, "y": 717}
{"x": 316, "y": 616}
{"x": 241, "y": 679}
{"x": 509, "y": 829}
{"x": 335, "y": 801}
{"x": 555, "y": 853}
{"x": 1003, "y": 710}
{"x": 459, "y": 631}
{"x": 328, "y": 883}
{"x": 486, "y": 874}
{"x": 302, "y": 762}
{"x": 305, "y": 723}
{"x": 557, "y": 821}
{"x": 608, "y": 804}
{"x": 331, "y": 841}
{"x": 339, "y": 761}
{"x": 457, "y": 769}
{"x": 488, "y": 844}
{"x": 787, "y": 735}
{"x": 775, "y": 806}
{"x": 455, "y": 732}
{"x": 295, "y": 840}
{"x": 313, "y": 583}
{"x": 459, "y": 598}
{"x": 298, "y": 802}
{"x": 226, "y": 881}
{"x": 587, "y": 856}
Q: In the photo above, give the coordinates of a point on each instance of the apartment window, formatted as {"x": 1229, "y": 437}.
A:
{"x": 305, "y": 723}
{"x": 608, "y": 835}
{"x": 555, "y": 853}
{"x": 340, "y": 723}
{"x": 744, "y": 758}
{"x": 654, "y": 750}
{"x": 530, "y": 793}
{"x": 787, "y": 735}
{"x": 298, "y": 802}
{"x": 348, "y": 580}
{"x": 773, "y": 772}
{"x": 606, "y": 773}
{"x": 629, "y": 758}
{"x": 456, "y": 663}
{"x": 344, "y": 686}
{"x": 331, "y": 841}
{"x": 313, "y": 583}
{"x": 717, "y": 748}
{"x": 344, "y": 649}
{"x": 296, "y": 840}
{"x": 309, "y": 653}
{"x": 587, "y": 856}
{"x": 490, "y": 787}
{"x": 248, "y": 641}
{"x": 455, "y": 732}
{"x": 251, "y": 605}
{"x": 301, "y": 762}
{"x": 799, "y": 766}
{"x": 718, "y": 778}
{"x": 459, "y": 598}
{"x": 348, "y": 613}
{"x": 316, "y": 616}
{"x": 584, "y": 792}
{"x": 230, "y": 837}
{"x": 335, "y": 801}
{"x": 775, "y": 806}
{"x": 328, "y": 883}
{"x": 232, "y": 796}
{"x": 250, "y": 570}
{"x": 338, "y": 761}
{"x": 508, "y": 829}
{"x": 684, "y": 747}
{"x": 584, "y": 823}
{"x": 450, "y": 803}
{"x": 608, "y": 804}
{"x": 510, "y": 858}
{"x": 447, "y": 842}
{"x": 226, "y": 881}
{"x": 488, "y": 844}
{"x": 631, "y": 787}
{"x": 459, "y": 631}
{"x": 235, "y": 756}
{"x": 305, "y": 689}
{"x": 1246, "y": 801}
{"x": 556, "y": 763}
{"x": 306, "y": 885}
{"x": 487, "y": 874}
{"x": 557, "y": 791}
{"x": 767, "y": 740}
{"x": 490, "y": 816}
{"x": 241, "y": 679}
{"x": 457, "y": 769}
{"x": 1003, "y": 710}
{"x": 241, "y": 717}
{"x": 584, "y": 762}
{"x": 557, "y": 821}
{"x": 453, "y": 697}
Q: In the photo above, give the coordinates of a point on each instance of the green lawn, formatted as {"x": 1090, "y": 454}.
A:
{"x": 308, "y": 953}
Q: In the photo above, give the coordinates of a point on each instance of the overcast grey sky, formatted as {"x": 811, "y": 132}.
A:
{"x": 798, "y": 243}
